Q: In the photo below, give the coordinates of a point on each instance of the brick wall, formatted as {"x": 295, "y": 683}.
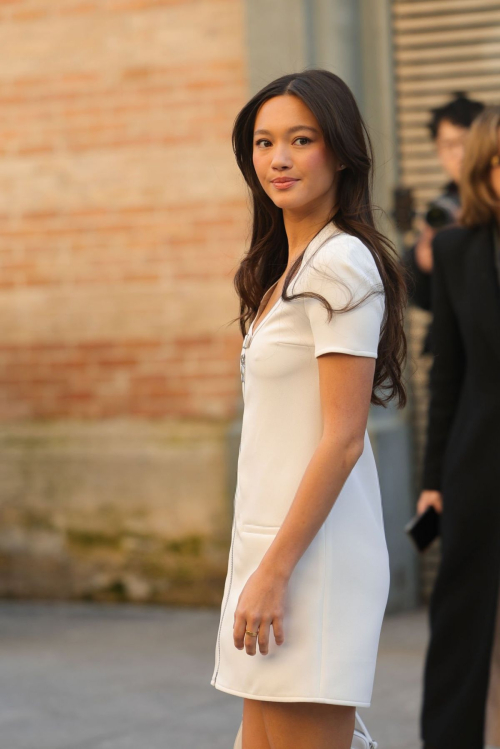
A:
{"x": 122, "y": 212}
{"x": 122, "y": 220}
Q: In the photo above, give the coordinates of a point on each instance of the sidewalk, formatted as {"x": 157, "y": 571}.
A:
{"x": 86, "y": 676}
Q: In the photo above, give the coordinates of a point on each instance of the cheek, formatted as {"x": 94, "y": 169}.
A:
{"x": 259, "y": 165}
{"x": 443, "y": 157}
{"x": 318, "y": 165}
{"x": 495, "y": 182}
{"x": 450, "y": 160}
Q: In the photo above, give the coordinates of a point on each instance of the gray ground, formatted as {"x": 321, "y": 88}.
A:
{"x": 88, "y": 676}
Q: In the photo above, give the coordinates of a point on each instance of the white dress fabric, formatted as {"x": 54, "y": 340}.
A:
{"x": 337, "y": 593}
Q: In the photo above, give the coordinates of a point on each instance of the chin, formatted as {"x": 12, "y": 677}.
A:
{"x": 285, "y": 201}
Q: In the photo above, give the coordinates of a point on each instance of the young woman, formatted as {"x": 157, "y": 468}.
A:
{"x": 323, "y": 290}
{"x": 461, "y": 477}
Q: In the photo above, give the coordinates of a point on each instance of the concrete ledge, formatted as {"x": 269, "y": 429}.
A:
{"x": 117, "y": 510}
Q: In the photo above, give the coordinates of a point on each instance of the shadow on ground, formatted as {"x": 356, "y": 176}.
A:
{"x": 110, "y": 676}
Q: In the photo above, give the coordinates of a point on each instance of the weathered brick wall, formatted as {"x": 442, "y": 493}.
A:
{"x": 122, "y": 220}
{"x": 122, "y": 210}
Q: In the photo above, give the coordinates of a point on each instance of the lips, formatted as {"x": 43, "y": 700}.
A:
{"x": 283, "y": 183}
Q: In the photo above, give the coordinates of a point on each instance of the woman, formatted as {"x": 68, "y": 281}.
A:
{"x": 461, "y": 477}
{"x": 308, "y": 552}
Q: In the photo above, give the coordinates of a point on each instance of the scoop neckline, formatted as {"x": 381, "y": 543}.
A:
{"x": 263, "y": 319}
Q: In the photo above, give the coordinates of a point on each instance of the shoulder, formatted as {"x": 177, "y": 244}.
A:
{"x": 346, "y": 254}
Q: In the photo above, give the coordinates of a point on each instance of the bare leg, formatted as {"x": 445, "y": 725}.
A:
{"x": 254, "y": 733}
{"x": 492, "y": 730}
{"x": 303, "y": 725}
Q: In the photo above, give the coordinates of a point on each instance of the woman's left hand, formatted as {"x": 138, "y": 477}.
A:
{"x": 261, "y": 603}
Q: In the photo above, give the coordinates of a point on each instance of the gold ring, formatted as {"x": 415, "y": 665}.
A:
{"x": 254, "y": 634}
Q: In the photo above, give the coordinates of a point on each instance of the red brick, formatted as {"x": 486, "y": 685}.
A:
{"x": 61, "y": 242}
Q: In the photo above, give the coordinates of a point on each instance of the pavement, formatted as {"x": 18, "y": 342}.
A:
{"x": 124, "y": 676}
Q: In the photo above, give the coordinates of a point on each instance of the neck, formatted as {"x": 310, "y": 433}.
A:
{"x": 301, "y": 229}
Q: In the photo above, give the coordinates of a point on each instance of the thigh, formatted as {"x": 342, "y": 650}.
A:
{"x": 492, "y": 729}
{"x": 254, "y": 733}
{"x": 308, "y": 724}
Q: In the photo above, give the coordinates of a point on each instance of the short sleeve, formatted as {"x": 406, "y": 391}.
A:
{"x": 344, "y": 271}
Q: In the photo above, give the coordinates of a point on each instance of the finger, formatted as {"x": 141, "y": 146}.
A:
{"x": 421, "y": 505}
{"x": 436, "y": 503}
{"x": 239, "y": 631}
{"x": 251, "y": 640}
{"x": 263, "y": 637}
{"x": 279, "y": 634}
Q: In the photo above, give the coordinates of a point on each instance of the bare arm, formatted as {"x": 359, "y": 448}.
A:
{"x": 346, "y": 383}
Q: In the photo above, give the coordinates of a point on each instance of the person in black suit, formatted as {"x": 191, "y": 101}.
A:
{"x": 449, "y": 127}
{"x": 461, "y": 476}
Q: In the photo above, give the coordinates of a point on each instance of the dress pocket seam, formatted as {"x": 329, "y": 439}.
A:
{"x": 294, "y": 343}
{"x": 259, "y": 529}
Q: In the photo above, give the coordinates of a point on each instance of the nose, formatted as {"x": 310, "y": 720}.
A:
{"x": 281, "y": 157}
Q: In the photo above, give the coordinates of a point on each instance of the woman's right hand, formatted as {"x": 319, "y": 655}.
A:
{"x": 430, "y": 498}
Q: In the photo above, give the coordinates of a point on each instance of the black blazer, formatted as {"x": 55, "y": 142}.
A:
{"x": 462, "y": 460}
{"x": 420, "y": 282}
{"x": 465, "y": 376}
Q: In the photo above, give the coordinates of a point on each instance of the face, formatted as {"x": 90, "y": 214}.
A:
{"x": 450, "y": 145}
{"x": 290, "y": 157}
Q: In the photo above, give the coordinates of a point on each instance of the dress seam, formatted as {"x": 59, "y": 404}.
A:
{"x": 287, "y": 698}
{"x": 344, "y": 350}
{"x": 323, "y": 611}
{"x": 228, "y": 591}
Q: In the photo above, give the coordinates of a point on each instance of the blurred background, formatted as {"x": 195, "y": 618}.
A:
{"x": 123, "y": 219}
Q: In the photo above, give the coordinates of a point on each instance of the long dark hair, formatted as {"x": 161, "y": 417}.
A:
{"x": 333, "y": 104}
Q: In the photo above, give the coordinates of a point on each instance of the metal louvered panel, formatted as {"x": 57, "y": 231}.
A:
{"x": 439, "y": 46}
{"x": 442, "y": 7}
{"x": 467, "y": 51}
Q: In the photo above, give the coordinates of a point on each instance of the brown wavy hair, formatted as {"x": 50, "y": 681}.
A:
{"x": 479, "y": 201}
{"x": 334, "y": 106}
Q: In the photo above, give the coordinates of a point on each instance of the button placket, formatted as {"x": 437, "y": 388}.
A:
{"x": 246, "y": 343}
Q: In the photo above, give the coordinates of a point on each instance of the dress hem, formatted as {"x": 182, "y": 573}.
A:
{"x": 276, "y": 698}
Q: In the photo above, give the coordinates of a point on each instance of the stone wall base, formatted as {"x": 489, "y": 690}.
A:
{"x": 117, "y": 510}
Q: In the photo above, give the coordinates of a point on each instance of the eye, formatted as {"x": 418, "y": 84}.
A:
{"x": 303, "y": 137}
{"x": 262, "y": 140}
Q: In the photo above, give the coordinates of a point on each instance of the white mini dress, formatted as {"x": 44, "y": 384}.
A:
{"x": 337, "y": 593}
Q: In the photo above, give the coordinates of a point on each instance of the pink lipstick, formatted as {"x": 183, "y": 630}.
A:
{"x": 282, "y": 183}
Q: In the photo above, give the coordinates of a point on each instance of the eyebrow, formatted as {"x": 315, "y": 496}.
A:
{"x": 290, "y": 130}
